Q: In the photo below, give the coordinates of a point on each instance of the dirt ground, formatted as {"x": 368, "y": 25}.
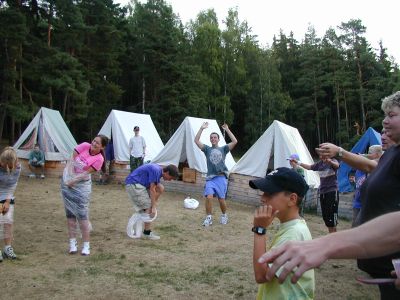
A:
{"x": 189, "y": 262}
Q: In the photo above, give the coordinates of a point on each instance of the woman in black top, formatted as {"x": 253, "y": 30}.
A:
{"x": 380, "y": 193}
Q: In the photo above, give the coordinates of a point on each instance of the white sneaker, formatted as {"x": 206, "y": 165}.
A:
{"x": 73, "y": 246}
{"x": 150, "y": 236}
{"x": 42, "y": 176}
{"x": 207, "y": 221}
{"x": 85, "y": 250}
{"x": 32, "y": 176}
{"x": 9, "y": 252}
{"x": 223, "y": 219}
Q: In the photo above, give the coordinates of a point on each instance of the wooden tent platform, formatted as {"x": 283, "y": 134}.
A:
{"x": 51, "y": 168}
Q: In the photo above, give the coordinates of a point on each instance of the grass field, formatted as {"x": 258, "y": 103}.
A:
{"x": 189, "y": 262}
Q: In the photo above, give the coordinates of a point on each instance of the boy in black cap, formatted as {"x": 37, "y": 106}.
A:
{"x": 284, "y": 190}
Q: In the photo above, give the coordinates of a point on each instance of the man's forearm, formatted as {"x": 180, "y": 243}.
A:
{"x": 198, "y": 135}
{"x": 377, "y": 237}
{"x": 231, "y": 136}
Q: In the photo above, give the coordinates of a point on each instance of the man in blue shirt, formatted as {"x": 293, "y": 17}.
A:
{"x": 144, "y": 188}
{"x": 217, "y": 172}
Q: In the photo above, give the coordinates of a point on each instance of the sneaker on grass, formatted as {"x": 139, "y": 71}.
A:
{"x": 42, "y": 176}
{"x": 151, "y": 236}
{"x": 223, "y": 219}
{"x": 207, "y": 221}
{"x": 85, "y": 251}
{"x": 9, "y": 252}
{"x": 1, "y": 257}
{"x": 73, "y": 246}
{"x": 32, "y": 175}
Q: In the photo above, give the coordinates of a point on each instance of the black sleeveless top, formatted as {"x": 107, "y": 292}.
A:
{"x": 380, "y": 194}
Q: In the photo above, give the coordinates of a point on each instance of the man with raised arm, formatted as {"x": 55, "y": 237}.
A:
{"x": 217, "y": 172}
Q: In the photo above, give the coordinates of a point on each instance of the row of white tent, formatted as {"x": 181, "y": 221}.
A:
{"x": 270, "y": 151}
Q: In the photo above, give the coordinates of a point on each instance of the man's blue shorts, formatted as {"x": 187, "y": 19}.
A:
{"x": 216, "y": 186}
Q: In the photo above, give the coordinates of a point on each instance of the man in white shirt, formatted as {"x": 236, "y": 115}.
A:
{"x": 137, "y": 149}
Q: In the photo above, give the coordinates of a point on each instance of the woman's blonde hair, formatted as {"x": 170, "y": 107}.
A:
{"x": 390, "y": 101}
{"x": 8, "y": 158}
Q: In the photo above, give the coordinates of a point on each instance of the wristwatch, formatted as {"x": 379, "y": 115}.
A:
{"x": 259, "y": 230}
{"x": 339, "y": 154}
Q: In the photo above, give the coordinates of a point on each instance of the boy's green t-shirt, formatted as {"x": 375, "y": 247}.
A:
{"x": 294, "y": 230}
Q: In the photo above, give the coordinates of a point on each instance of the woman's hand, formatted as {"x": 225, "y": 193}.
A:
{"x": 327, "y": 150}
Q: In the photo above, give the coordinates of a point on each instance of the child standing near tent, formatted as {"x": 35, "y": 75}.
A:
{"x": 10, "y": 171}
{"x": 295, "y": 166}
{"x": 76, "y": 187}
{"x": 328, "y": 190}
{"x": 217, "y": 172}
{"x": 137, "y": 149}
{"x": 284, "y": 190}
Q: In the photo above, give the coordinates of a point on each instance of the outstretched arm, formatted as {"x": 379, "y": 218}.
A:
{"x": 303, "y": 165}
{"x": 328, "y": 150}
{"x": 377, "y": 237}
{"x": 234, "y": 141}
{"x": 334, "y": 163}
{"x": 197, "y": 137}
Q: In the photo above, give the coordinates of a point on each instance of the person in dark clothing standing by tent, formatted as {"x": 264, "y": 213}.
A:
{"x": 328, "y": 189}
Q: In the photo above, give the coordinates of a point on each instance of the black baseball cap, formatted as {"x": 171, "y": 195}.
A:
{"x": 279, "y": 180}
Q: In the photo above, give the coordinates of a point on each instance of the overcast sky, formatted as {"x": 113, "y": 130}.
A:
{"x": 266, "y": 17}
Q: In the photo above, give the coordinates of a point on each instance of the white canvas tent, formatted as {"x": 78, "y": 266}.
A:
{"x": 181, "y": 146}
{"x": 49, "y": 130}
{"x": 271, "y": 151}
{"x": 119, "y": 125}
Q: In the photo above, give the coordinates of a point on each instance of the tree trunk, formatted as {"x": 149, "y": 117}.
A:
{"x": 346, "y": 115}
{"x": 12, "y": 132}
{"x": 316, "y": 111}
{"x": 337, "y": 96}
{"x": 361, "y": 89}
{"x": 50, "y": 97}
{"x": 143, "y": 88}
{"x": 64, "y": 109}
{"x": 49, "y": 26}
{"x": 2, "y": 120}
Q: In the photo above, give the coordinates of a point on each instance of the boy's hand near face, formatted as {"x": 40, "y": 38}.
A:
{"x": 264, "y": 215}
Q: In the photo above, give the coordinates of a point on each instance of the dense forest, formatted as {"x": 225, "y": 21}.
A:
{"x": 86, "y": 57}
